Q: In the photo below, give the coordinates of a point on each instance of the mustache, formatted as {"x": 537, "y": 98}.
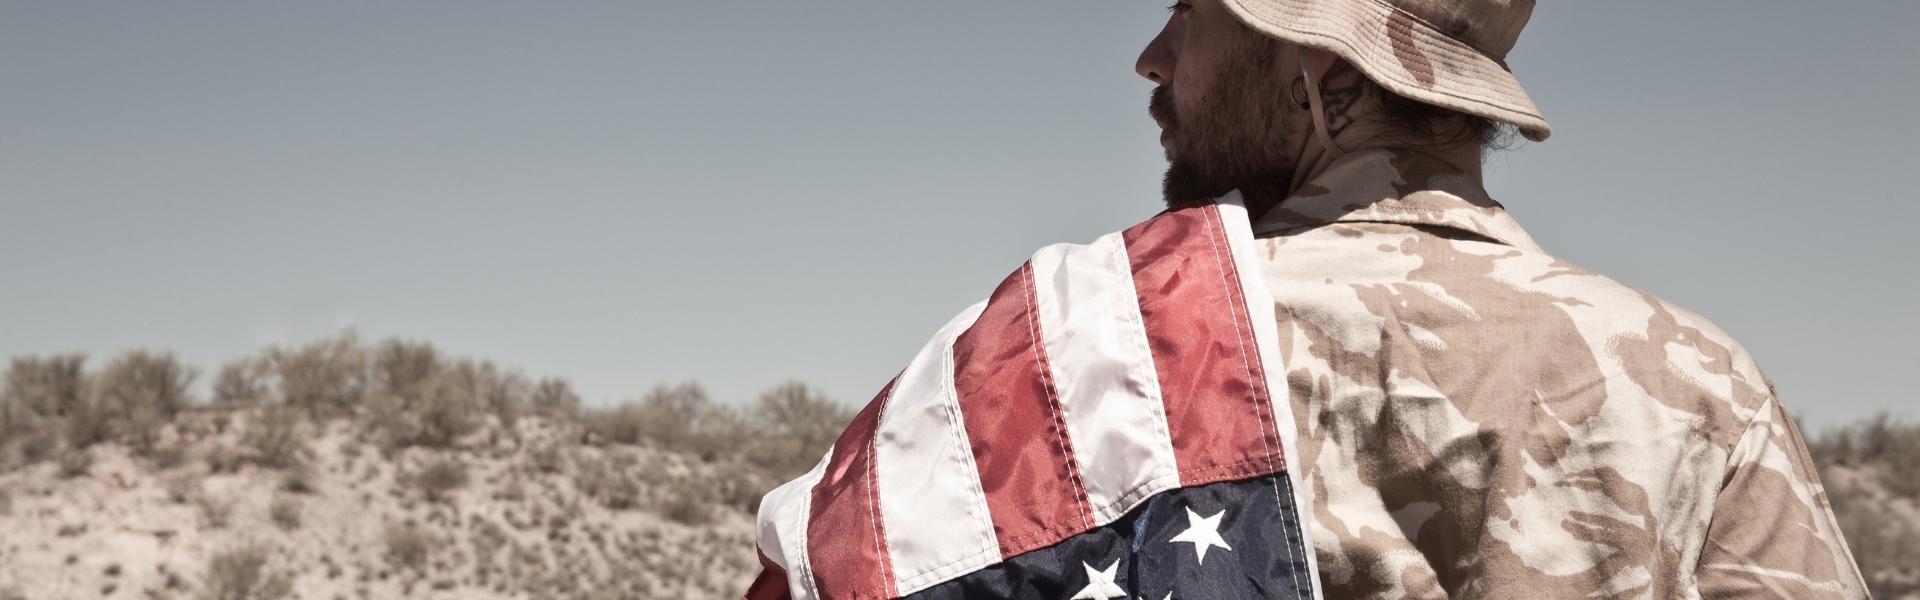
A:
{"x": 1160, "y": 107}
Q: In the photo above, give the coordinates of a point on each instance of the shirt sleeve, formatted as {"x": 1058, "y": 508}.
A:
{"x": 1773, "y": 534}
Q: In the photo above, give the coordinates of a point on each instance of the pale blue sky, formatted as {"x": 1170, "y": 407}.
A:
{"x": 742, "y": 193}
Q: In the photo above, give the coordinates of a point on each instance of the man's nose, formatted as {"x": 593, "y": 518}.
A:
{"x": 1156, "y": 61}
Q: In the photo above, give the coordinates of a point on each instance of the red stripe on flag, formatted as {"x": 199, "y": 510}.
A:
{"x": 1013, "y": 420}
{"x": 770, "y": 585}
{"x": 1211, "y": 379}
{"x": 846, "y": 540}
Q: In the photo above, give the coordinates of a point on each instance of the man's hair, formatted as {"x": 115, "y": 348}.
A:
{"x": 1428, "y": 126}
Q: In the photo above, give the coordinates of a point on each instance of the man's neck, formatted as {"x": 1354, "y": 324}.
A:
{"x": 1316, "y": 157}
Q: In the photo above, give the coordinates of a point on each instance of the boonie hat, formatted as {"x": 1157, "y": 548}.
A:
{"x": 1448, "y": 53}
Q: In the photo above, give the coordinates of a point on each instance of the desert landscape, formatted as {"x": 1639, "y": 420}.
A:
{"x": 347, "y": 469}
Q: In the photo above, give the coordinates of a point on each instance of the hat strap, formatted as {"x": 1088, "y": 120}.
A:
{"x": 1318, "y": 107}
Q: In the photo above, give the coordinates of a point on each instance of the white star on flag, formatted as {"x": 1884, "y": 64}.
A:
{"x": 1202, "y": 532}
{"x": 1100, "y": 585}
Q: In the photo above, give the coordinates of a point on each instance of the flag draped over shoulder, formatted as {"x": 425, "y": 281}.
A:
{"x": 1110, "y": 423}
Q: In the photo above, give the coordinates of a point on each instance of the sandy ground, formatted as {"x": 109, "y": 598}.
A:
{"x": 517, "y": 529}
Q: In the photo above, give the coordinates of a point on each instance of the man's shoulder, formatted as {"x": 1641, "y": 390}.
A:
{"x": 1532, "y": 307}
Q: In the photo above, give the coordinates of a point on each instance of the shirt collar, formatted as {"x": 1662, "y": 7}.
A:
{"x": 1395, "y": 186}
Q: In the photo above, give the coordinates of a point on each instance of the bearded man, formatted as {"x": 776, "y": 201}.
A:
{"x": 1334, "y": 368}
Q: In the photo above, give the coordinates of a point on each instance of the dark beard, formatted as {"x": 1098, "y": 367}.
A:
{"x": 1235, "y": 138}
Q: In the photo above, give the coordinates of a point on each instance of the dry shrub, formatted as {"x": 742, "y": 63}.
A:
{"x": 438, "y": 415}
{"x": 1883, "y": 541}
{"x": 146, "y": 389}
{"x": 168, "y": 456}
{"x": 88, "y": 422}
{"x": 490, "y": 388}
{"x": 285, "y": 512}
{"x": 36, "y": 445}
{"x": 1881, "y": 440}
{"x": 46, "y": 387}
{"x": 1885, "y": 454}
{"x": 680, "y": 418}
{"x": 408, "y": 546}
{"x": 75, "y": 462}
{"x": 298, "y": 477}
{"x": 445, "y": 415}
{"x": 6, "y": 502}
{"x": 547, "y": 459}
{"x": 554, "y": 396}
{"x": 241, "y": 382}
{"x": 274, "y": 438}
{"x": 222, "y": 458}
{"x": 215, "y": 513}
{"x": 794, "y": 425}
{"x": 181, "y": 488}
{"x": 242, "y": 574}
{"x": 689, "y": 505}
{"x": 440, "y": 477}
{"x": 401, "y": 366}
{"x": 607, "y": 481}
{"x": 326, "y": 377}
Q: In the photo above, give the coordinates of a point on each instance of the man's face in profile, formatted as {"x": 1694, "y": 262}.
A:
{"x": 1221, "y": 101}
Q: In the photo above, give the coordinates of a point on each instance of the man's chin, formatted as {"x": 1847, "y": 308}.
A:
{"x": 1183, "y": 184}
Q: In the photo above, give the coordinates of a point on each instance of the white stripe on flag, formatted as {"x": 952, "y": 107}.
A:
{"x": 1103, "y": 370}
{"x": 929, "y": 491}
{"x": 782, "y": 534}
{"x": 1266, "y": 332}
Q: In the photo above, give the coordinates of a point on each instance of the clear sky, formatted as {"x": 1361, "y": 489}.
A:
{"x": 743, "y": 193}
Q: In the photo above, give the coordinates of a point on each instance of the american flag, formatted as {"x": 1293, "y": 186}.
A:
{"x": 1110, "y": 423}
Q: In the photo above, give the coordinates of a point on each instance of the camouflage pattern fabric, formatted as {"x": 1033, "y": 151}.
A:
{"x": 1479, "y": 419}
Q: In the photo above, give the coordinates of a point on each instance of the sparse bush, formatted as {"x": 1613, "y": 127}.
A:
{"x": 6, "y": 502}
{"x": 75, "y": 462}
{"x": 222, "y": 458}
{"x": 242, "y": 574}
{"x": 547, "y": 459}
{"x": 167, "y": 456}
{"x": 679, "y": 417}
{"x": 602, "y": 480}
{"x": 497, "y": 391}
{"x": 146, "y": 389}
{"x": 1883, "y": 542}
{"x": 298, "y": 477}
{"x": 803, "y": 413}
{"x": 36, "y": 445}
{"x": 274, "y": 438}
{"x": 554, "y": 396}
{"x": 794, "y": 425}
{"x": 445, "y": 415}
{"x": 688, "y": 506}
{"x": 327, "y": 376}
{"x": 408, "y": 546}
{"x": 400, "y": 366}
{"x": 46, "y": 387}
{"x": 87, "y": 422}
{"x": 623, "y": 424}
{"x": 1882, "y": 440}
{"x": 215, "y": 513}
{"x": 438, "y": 416}
{"x": 285, "y": 512}
{"x": 181, "y": 488}
{"x": 241, "y": 382}
{"x": 440, "y": 477}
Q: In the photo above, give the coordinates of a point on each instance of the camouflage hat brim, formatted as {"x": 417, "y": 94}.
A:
{"x": 1403, "y": 54}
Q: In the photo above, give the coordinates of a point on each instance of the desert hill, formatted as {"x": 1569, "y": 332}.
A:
{"x": 341, "y": 469}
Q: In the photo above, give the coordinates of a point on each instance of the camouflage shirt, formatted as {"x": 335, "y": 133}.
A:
{"x": 1480, "y": 419}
